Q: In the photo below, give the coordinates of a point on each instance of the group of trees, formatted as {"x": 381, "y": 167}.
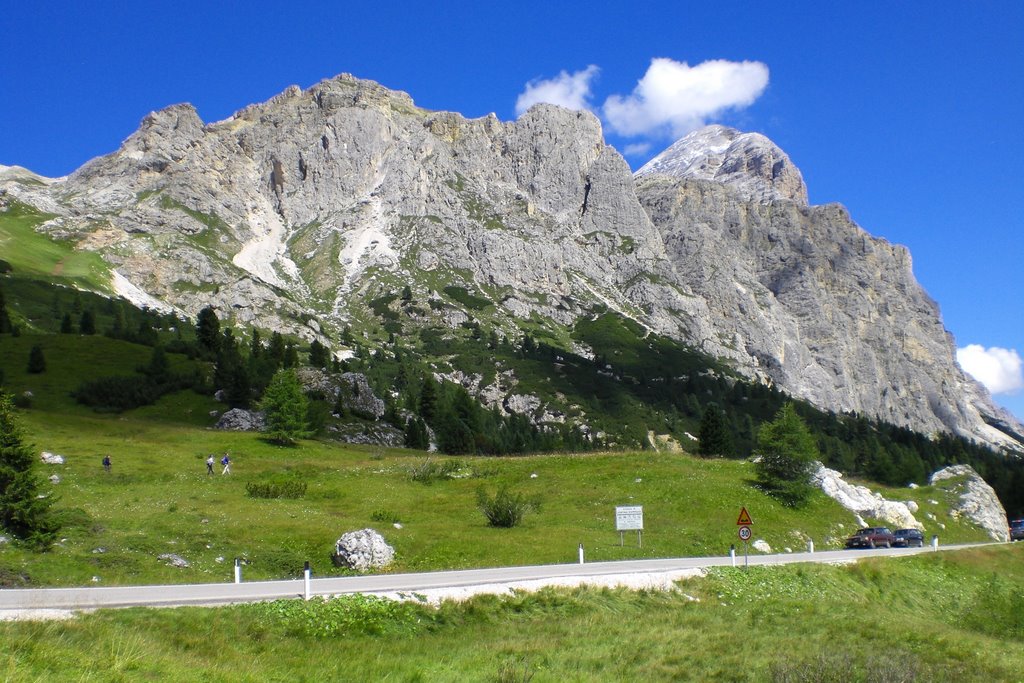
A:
{"x": 24, "y": 512}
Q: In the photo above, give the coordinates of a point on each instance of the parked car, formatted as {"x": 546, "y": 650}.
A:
{"x": 907, "y": 538}
{"x": 871, "y": 537}
{"x": 1017, "y": 530}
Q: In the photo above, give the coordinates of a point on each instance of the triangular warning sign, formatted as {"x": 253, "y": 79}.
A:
{"x": 744, "y": 519}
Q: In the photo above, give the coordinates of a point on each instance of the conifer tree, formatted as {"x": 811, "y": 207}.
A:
{"x": 318, "y": 356}
{"x": 208, "y": 330}
{"x": 714, "y": 436}
{"x": 36, "y": 360}
{"x": 66, "y": 325}
{"x": 788, "y": 452}
{"x": 87, "y": 323}
{"x": 23, "y": 513}
{"x": 285, "y": 406}
{"x": 5, "y": 318}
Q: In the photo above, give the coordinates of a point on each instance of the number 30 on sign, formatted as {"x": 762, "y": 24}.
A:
{"x": 744, "y": 533}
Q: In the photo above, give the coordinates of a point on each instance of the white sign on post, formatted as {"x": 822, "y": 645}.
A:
{"x": 629, "y": 518}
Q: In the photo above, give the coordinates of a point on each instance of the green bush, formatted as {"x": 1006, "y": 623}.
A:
{"x": 505, "y": 509}
{"x": 430, "y": 471}
{"x": 276, "y": 489}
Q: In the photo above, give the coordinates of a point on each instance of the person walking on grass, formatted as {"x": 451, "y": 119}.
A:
{"x": 209, "y": 464}
{"x": 106, "y": 463}
{"x": 226, "y": 462}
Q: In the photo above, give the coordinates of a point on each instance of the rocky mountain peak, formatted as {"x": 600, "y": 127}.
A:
{"x": 749, "y": 162}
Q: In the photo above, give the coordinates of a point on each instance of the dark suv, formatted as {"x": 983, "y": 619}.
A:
{"x": 1017, "y": 530}
{"x": 908, "y": 538}
{"x": 871, "y": 537}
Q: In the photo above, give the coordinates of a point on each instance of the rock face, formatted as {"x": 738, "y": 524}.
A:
{"x": 863, "y": 502}
{"x": 978, "y": 502}
{"x": 302, "y": 209}
{"x": 363, "y": 550}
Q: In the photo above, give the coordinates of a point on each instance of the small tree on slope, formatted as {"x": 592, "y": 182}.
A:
{"x": 788, "y": 452}
{"x": 285, "y": 406}
{"x": 23, "y": 513}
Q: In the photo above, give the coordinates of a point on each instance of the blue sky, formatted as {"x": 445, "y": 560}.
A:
{"x": 909, "y": 113}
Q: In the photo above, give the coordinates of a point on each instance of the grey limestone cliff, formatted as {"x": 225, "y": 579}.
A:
{"x": 293, "y": 214}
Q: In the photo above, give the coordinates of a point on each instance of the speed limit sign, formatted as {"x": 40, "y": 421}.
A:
{"x": 744, "y": 533}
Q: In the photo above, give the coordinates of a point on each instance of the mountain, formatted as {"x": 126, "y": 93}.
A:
{"x": 310, "y": 212}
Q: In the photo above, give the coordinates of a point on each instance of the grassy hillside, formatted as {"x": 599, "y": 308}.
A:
{"x": 933, "y": 617}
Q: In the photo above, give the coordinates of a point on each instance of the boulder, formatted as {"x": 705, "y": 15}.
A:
{"x": 241, "y": 420}
{"x": 363, "y": 550}
{"x": 862, "y": 501}
{"x": 977, "y": 501}
{"x": 51, "y": 458}
{"x": 174, "y": 560}
{"x": 761, "y": 546}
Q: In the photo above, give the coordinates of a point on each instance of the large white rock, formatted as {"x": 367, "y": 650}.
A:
{"x": 978, "y": 502}
{"x": 362, "y": 550}
{"x": 51, "y": 458}
{"x": 862, "y": 501}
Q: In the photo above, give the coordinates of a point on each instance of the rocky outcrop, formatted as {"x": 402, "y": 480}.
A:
{"x": 863, "y": 502}
{"x": 977, "y": 501}
{"x": 301, "y": 209}
{"x": 241, "y": 420}
{"x": 352, "y": 388}
{"x": 363, "y": 550}
{"x": 748, "y": 162}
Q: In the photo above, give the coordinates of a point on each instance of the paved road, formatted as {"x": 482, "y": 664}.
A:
{"x": 224, "y": 593}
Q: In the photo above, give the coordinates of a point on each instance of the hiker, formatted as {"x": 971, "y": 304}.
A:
{"x": 209, "y": 464}
{"x": 226, "y": 462}
{"x": 106, "y": 463}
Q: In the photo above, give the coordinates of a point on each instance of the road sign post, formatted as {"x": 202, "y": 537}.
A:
{"x": 630, "y": 518}
{"x": 744, "y": 522}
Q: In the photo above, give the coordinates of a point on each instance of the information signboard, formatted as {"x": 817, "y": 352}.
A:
{"x": 629, "y": 518}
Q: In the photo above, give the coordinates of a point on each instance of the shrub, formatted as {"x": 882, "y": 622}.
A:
{"x": 430, "y": 471}
{"x": 506, "y": 509}
{"x": 387, "y": 516}
{"x": 276, "y": 489}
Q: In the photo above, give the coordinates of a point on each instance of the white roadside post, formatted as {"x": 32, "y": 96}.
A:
{"x": 306, "y": 572}
{"x": 810, "y": 545}
{"x": 935, "y": 542}
{"x": 238, "y": 570}
{"x": 581, "y": 553}
{"x": 732, "y": 554}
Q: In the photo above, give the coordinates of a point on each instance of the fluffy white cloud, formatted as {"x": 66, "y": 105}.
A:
{"x": 636, "y": 149}
{"x": 675, "y": 98}
{"x": 570, "y": 90}
{"x": 1000, "y": 370}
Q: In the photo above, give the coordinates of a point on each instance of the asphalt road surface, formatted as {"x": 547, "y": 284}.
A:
{"x": 225, "y": 593}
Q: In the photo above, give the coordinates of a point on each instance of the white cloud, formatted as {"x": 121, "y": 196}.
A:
{"x": 567, "y": 90}
{"x": 674, "y": 98}
{"x": 1000, "y": 370}
{"x": 636, "y": 149}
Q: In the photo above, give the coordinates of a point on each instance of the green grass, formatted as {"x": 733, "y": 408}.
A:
{"x": 158, "y": 499}
{"x": 32, "y": 254}
{"x": 877, "y": 620}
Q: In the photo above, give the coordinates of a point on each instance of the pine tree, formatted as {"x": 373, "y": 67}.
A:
{"x": 318, "y": 356}
{"x": 291, "y": 356}
{"x": 87, "y": 323}
{"x": 285, "y": 407}
{"x": 788, "y": 452}
{"x": 5, "y": 318}
{"x": 23, "y": 513}
{"x": 428, "y": 399}
{"x": 66, "y": 325}
{"x": 715, "y": 438}
{"x": 276, "y": 350}
{"x": 36, "y": 360}
{"x": 208, "y": 330}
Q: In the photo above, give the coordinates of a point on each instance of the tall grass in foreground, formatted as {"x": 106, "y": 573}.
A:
{"x": 906, "y": 619}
